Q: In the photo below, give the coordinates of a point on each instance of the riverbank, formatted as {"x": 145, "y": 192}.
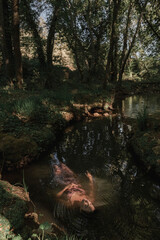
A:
{"x": 32, "y": 122}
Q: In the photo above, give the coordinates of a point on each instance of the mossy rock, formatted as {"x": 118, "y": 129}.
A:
{"x": 15, "y": 149}
{"x": 5, "y": 229}
{"x": 13, "y": 206}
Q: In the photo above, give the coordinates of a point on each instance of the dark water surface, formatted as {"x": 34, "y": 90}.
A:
{"x": 126, "y": 200}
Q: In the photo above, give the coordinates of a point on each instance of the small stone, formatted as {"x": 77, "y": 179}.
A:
{"x": 97, "y": 115}
{"x": 106, "y": 114}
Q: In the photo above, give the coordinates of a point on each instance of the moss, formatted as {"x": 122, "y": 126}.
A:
{"x": 13, "y": 205}
{"x": 5, "y": 232}
{"x": 14, "y": 149}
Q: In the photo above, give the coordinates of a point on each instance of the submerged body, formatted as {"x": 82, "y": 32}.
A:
{"x": 73, "y": 193}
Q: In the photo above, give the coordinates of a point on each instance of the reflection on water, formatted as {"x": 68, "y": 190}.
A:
{"x": 134, "y": 104}
{"x": 126, "y": 201}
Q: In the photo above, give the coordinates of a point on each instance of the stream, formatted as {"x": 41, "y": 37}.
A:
{"x": 125, "y": 198}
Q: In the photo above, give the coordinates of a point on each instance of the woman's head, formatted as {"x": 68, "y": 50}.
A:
{"x": 86, "y": 205}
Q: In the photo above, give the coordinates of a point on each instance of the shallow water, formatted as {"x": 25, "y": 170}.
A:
{"x": 126, "y": 201}
{"x": 134, "y": 104}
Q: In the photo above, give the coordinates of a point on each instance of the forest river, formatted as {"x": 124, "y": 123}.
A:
{"x": 126, "y": 200}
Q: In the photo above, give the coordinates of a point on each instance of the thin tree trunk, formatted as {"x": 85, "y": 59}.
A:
{"x": 114, "y": 64}
{"x": 77, "y": 41}
{"x": 50, "y": 44}
{"x": 37, "y": 38}
{"x": 131, "y": 45}
{"x": 51, "y": 36}
{"x": 16, "y": 44}
{"x": 6, "y": 42}
{"x": 1, "y": 23}
{"x": 111, "y": 67}
{"x": 75, "y": 52}
{"x": 125, "y": 38}
{"x": 89, "y": 23}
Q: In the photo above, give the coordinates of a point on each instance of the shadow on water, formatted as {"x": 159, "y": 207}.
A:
{"x": 126, "y": 201}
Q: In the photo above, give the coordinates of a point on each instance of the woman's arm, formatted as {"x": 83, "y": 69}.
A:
{"x": 59, "y": 194}
{"x": 91, "y": 185}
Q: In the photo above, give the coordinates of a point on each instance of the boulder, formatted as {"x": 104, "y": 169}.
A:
{"x": 14, "y": 202}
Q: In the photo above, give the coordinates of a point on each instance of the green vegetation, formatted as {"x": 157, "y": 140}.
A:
{"x": 13, "y": 206}
{"x": 41, "y": 52}
{"x": 142, "y": 119}
{"x": 59, "y": 59}
{"x": 30, "y": 120}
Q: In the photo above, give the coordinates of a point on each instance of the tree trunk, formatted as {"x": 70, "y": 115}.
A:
{"x": 126, "y": 56}
{"x": 50, "y": 43}
{"x": 37, "y": 38}
{"x": 114, "y": 41}
{"x": 111, "y": 67}
{"x": 16, "y": 44}
{"x": 6, "y": 42}
{"x": 125, "y": 39}
{"x": 75, "y": 52}
{"x": 92, "y": 46}
{"x": 51, "y": 36}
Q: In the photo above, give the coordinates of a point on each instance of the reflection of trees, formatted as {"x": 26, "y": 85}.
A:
{"x": 136, "y": 216}
{"x": 134, "y": 104}
{"x": 131, "y": 212}
{"x": 90, "y": 147}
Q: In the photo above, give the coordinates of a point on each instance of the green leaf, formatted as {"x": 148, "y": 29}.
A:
{"x": 34, "y": 235}
{"x": 17, "y": 238}
{"x": 45, "y": 226}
